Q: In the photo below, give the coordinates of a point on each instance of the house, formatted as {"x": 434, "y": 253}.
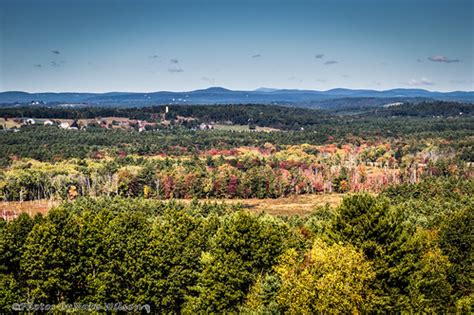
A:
{"x": 74, "y": 125}
{"x": 64, "y": 125}
{"x": 48, "y": 122}
{"x": 141, "y": 126}
{"x": 103, "y": 124}
{"x": 204, "y": 126}
{"x": 30, "y": 121}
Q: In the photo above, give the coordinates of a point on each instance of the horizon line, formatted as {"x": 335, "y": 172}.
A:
{"x": 238, "y": 90}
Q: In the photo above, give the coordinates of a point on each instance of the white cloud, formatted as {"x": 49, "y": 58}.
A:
{"x": 420, "y": 82}
{"x": 440, "y": 58}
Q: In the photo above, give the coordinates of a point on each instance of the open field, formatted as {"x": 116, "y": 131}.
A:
{"x": 301, "y": 205}
{"x": 8, "y": 124}
{"x": 11, "y": 209}
{"x": 235, "y": 127}
{"x": 294, "y": 205}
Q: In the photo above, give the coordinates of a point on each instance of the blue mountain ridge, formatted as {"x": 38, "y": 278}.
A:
{"x": 219, "y": 95}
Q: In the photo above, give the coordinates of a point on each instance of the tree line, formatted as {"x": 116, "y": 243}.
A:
{"x": 49, "y": 143}
{"x": 262, "y": 115}
{"x": 280, "y": 117}
{"x": 427, "y": 109}
{"x": 242, "y": 172}
{"x": 407, "y": 250}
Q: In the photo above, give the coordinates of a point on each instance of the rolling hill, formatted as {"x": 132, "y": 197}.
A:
{"x": 217, "y": 95}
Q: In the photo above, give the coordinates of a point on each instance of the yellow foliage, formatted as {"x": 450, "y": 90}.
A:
{"x": 331, "y": 278}
{"x": 146, "y": 191}
{"x": 72, "y": 192}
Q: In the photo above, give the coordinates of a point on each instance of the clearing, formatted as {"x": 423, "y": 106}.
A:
{"x": 301, "y": 205}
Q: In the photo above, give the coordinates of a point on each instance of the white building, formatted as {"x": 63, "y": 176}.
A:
{"x": 64, "y": 125}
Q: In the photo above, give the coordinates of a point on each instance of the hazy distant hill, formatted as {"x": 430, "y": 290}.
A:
{"x": 218, "y": 95}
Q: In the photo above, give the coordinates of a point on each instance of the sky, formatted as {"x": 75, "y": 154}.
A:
{"x": 182, "y": 45}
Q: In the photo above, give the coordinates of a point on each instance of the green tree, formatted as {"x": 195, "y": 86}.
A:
{"x": 173, "y": 258}
{"x": 244, "y": 246}
{"x": 125, "y": 241}
{"x": 429, "y": 288}
{"x": 49, "y": 261}
{"x": 456, "y": 240}
{"x": 402, "y": 254}
{"x": 261, "y": 298}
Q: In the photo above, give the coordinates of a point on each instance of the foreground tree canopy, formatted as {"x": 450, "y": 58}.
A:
{"x": 407, "y": 250}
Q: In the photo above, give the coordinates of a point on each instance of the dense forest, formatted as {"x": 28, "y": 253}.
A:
{"x": 155, "y": 217}
{"x": 281, "y": 117}
{"x": 427, "y": 109}
{"x": 48, "y": 143}
{"x": 407, "y": 250}
{"x": 240, "y": 172}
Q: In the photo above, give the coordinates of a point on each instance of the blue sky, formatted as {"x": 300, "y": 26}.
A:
{"x": 180, "y": 45}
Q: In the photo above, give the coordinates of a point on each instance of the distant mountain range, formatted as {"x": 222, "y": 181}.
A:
{"x": 218, "y": 95}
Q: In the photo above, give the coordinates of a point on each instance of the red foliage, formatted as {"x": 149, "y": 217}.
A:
{"x": 232, "y": 185}
{"x": 168, "y": 186}
{"x": 122, "y": 154}
{"x": 15, "y": 157}
{"x": 98, "y": 155}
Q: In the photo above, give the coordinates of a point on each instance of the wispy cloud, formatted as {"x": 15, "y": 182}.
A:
{"x": 153, "y": 56}
{"x": 296, "y": 79}
{"x": 330, "y": 62}
{"x": 38, "y": 65}
{"x": 56, "y": 52}
{"x": 175, "y": 61}
{"x": 320, "y": 80}
{"x": 319, "y": 56}
{"x": 208, "y": 80}
{"x": 256, "y": 56}
{"x": 56, "y": 64}
{"x": 420, "y": 82}
{"x": 175, "y": 70}
{"x": 440, "y": 58}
